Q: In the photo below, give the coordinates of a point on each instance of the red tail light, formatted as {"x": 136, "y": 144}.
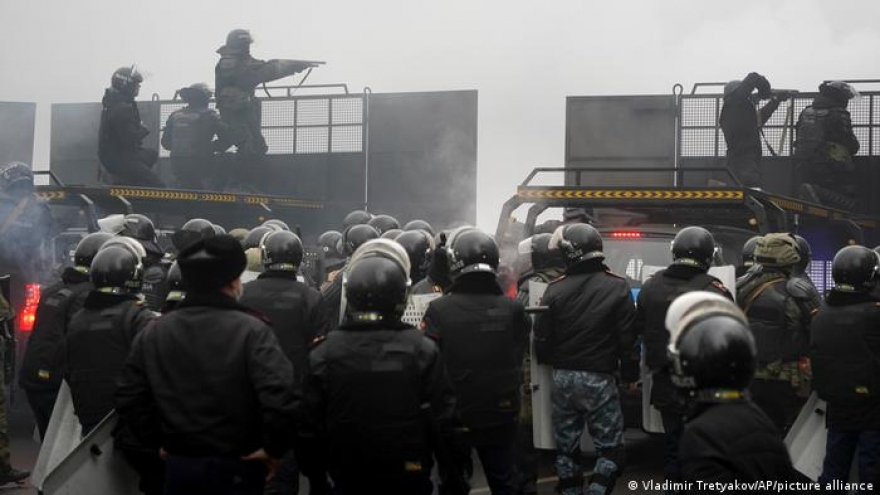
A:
{"x": 626, "y": 235}
{"x": 28, "y": 313}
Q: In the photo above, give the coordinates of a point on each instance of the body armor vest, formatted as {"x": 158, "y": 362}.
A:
{"x": 193, "y": 132}
{"x": 98, "y": 343}
{"x": 774, "y": 319}
{"x": 810, "y": 127}
{"x": 844, "y": 370}
{"x": 374, "y": 402}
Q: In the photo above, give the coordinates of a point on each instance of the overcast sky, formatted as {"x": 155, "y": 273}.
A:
{"x": 524, "y": 58}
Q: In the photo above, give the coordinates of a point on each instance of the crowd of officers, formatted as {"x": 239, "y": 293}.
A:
{"x": 195, "y": 134}
{"x": 229, "y": 365}
{"x": 824, "y": 142}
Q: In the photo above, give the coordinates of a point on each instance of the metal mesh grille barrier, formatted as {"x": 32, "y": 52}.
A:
{"x": 700, "y": 134}
{"x": 303, "y": 125}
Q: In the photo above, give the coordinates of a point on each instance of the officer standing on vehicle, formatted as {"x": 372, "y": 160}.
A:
{"x": 296, "y": 314}
{"x": 121, "y": 134}
{"x": 824, "y": 148}
{"x": 189, "y": 136}
{"x": 845, "y": 359}
{"x": 779, "y": 308}
{"x": 482, "y": 335}
{"x": 378, "y": 394}
{"x": 741, "y": 123}
{"x": 43, "y": 364}
{"x": 692, "y": 252}
{"x": 237, "y": 76}
{"x": 583, "y": 335}
{"x": 727, "y": 438}
{"x": 97, "y": 344}
{"x": 209, "y": 384}
{"x": 156, "y": 265}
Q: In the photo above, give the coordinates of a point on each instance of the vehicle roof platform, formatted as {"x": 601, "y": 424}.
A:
{"x": 642, "y": 201}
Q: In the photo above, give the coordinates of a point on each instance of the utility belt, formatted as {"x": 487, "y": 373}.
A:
{"x": 796, "y": 373}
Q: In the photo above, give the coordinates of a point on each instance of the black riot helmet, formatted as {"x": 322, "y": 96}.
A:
{"x": 139, "y": 227}
{"x": 356, "y": 217}
{"x": 276, "y": 224}
{"x": 87, "y": 248}
{"x": 384, "y": 223}
{"x": 391, "y": 234}
{"x": 239, "y": 39}
{"x": 377, "y": 281}
{"x": 693, "y": 246}
{"x": 711, "y": 346}
{"x": 219, "y": 230}
{"x": 282, "y": 251}
{"x": 127, "y": 80}
{"x": 854, "y": 269}
{"x": 543, "y": 257}
{"x": 419, "y": 225}
{"x": 806, "y": 253}
{"x": 472, "y": 251}
{"x": 198, "y": 94}
{"x": 330, "y": 242}
{"x": 17, "y": 177}
{"x": 176, "y": 289}
{"x": 577, "y": 242}
{"x": 116, "y": 270}
{"x": 191, "y": 231}
{"x": 255, "y": 236}
{"x": 355, "y": 236}
{"x": 838, "y": 91}
{"x": 748, "y": 251}
{"x": 419, "y": 247}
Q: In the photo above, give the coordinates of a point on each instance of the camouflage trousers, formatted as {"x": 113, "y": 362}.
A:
{"x": 587, "y": 399}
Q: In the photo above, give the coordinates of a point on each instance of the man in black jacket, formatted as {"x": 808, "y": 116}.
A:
{"x": 825, "y": 146}
{"x": 121, "y": 134}
{"x": 43, "y": 364}
{"x": 741, "y": 123}
{"x": 692, "y": 252}
{"x": 727, "y": 438}
{"x": 482, "y": 335}
{"x": 208, "y": 383}
{"x": 584, "y": 333}
{"x": 296, "y": 314}
{"x": 378, "y": 396}
{"x": 845, "y": 358}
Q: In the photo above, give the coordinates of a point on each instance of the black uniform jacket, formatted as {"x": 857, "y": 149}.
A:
{"x": 588, "y": 324}
{"x": 732, "y": 441}
{"x": 213, "y": 375}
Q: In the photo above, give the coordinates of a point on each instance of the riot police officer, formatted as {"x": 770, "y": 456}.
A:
{"x": 237, "y": 76}
{"x": 222, "y": 428}
{"x": 42, "y": 368}
{"x": 741, "y": 123}
{"x": 692, "y": 252}
{"x": 297, "y": 315}
{"x": 191, "y": 231}
{"x": 97, "y": 345}
{"x": 382, "y": 413}
{"x": 824, "y": 148}
{"x": 333, "y": 259}
{"x": 419, "y": 246}
{"x": 845, "y": 352}
{"x": 482, "y": 335}
{"x": 189, "y": 136}
{"x": 747, "y": 260}
{"x": 176, "y": 288}
{"x": 585, "y": 332}
{"x": 121, "y": 134}
{"x": 419, "y": 224}
{"x": 543, "y": 266}
{"x": 727, "y": 437}
{"x": 156, "y": 265}
{"x": 352, "y": 238}
{"x": 779, "y": 308}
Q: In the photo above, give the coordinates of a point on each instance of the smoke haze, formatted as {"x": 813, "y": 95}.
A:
{"x": 524, "y": 58}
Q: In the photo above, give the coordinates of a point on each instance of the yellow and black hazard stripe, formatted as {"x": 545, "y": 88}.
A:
{"x": 153, "y": 194}
{"x": 52, "y": 195}
{"x": 631, "y": 194}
